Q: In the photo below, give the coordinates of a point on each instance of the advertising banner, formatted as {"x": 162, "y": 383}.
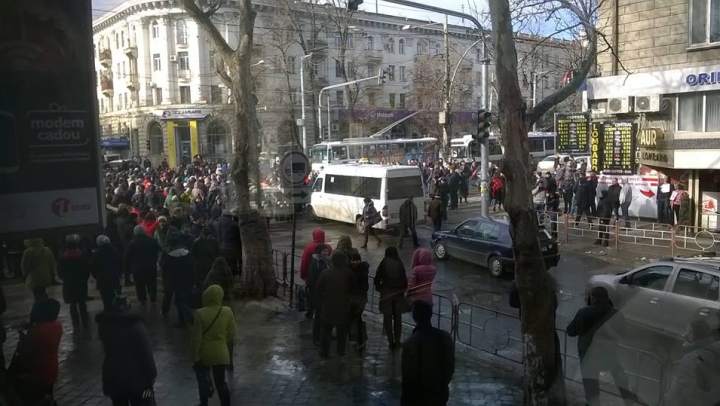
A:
{"x": 49, "y": 170}
{"x": 572, "y": 133}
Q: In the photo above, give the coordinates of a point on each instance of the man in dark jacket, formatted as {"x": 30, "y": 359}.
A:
{"x": 228, "y": 236}
{"x": 205, "y": 249}
{"x": 428, "y": 361}
{"x": 332, "y": 293}
{"x": 106, "y": 267}
{"x": 568, "y": 185}
{"x": 604, "y": 212}
{"x": 408, "y": 217}
{"x": 435, "y": 212}
{"x": 454, "y": 184}
{"x": 614, "y": 197}
{"x": 593, "y": 192}
{"x": 141, "y": 258}
{"x": 550, "y": 183}
{"x": 582, "y": 190}
{"x": 599, "y": 327}
{"x": 663, "y": 193}
{"x": 178, "y": 267}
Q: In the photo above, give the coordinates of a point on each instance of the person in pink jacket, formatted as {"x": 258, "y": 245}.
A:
{"x": 422, "y": 276}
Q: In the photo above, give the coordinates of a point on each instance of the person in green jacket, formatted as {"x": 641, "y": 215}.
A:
{"x": 212, "y": 340}
{"x": 163, "y": 231}
{"x": 38, "y": 267}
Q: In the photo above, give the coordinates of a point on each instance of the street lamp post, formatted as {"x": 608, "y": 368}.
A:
{"x": 303, "y": 128}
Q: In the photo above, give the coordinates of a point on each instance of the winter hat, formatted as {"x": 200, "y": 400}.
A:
{"x": 102, "y": 240}
{"x": 138, "y": 230}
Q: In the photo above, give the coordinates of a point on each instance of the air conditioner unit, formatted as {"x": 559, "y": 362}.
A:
{"x": 334, "y": 127}
{"x": 173, "y": 58}
{"x": 618, "y": 105}
{"x": 647, "y": 104}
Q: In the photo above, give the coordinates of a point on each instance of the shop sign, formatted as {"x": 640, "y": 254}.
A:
{"x": 657, "y": 157}
{"x": 703, "y": 78}
{"x": 182, "y": 114}
{"x": 649, "y": 137}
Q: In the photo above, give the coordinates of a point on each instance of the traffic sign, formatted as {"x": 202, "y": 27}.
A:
{"x": 298, "y": 195}
{"x": 294, "y": 168}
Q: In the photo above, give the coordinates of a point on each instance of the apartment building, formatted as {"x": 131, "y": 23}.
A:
{"x": 663, "y": 75}
{"x": 159, "y": 95}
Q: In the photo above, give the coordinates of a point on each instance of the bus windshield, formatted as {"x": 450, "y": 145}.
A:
{"x": 320, "y": 153}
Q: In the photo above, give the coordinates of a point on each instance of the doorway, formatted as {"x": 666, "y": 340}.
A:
{"x": 183, "y": 148}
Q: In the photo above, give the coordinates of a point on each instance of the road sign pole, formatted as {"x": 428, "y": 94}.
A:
{"x": 292, "y": 241}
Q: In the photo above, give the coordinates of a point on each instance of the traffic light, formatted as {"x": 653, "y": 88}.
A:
{"x": 483, "y": 124}
{"x": 354, "y": 4}
{"x": 382, "y": 75}
{"x": 147, "y": 145}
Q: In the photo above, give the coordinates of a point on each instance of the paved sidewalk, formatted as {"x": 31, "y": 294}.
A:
{"x": 275, "y": 363}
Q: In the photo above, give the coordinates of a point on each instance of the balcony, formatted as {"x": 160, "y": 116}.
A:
{"x": 131, "y": 50}
{"x": 184, "y": 75}
{"x": 107, "y": 86}
{"x": 105, "y": 58}
{"x": 131, "y": 81}
{"x": 373, "y": 55}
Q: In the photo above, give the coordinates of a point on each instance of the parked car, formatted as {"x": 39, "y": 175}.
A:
{"x": 548, "y": 163}
{"x": 664, "y": 296}
{"x": 487, "y": 242}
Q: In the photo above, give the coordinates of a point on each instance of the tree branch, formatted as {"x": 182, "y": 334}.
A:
{"x": 203, "y": 19}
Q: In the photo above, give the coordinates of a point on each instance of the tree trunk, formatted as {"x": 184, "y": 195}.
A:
{"x": 542, "y": 383}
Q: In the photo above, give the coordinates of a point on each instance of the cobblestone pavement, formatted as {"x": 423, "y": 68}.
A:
{"x": 275, "y": 363}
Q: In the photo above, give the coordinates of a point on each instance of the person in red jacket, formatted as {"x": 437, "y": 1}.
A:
{"x": 150, "y": 224}
{"x": 34, "y": 369}
{"x": 421, "y": 278}
{"x": 306, "y": 259}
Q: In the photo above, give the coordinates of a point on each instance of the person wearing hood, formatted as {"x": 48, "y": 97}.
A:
{"x": 422, "y": 275}
{"x": 345, "y": 246}
{"x": 169, "y": 198}
{"x": 408, "y": 218}
{"x": 35, "y": 368}
{"x": 150, "y": 224}
{"x": 178, "y": 268}
{"x": 604, "y": 212}
{"x": 228, "y": 235}
{"x": 332, "y": 293}
{"x": 163, "y": 230}
{"x": 320, "y": 262}
{"x": 428, "y": 361}
{"x": 141, "y": 258}
{"x": 318, "y": 238}
{"x": 599, "y": 327}
{"x": 129, "y": 365}
{"x": 391, "y": 282}
{"x": 106, "y": 268}
{"x": 220, "y": 275}
{"x": 370, "y": 217}
{"x": 74, "y": 270}
{"x": 38, "y": 267}
{"x": 213, "y": 333}
{"x": 359, "y": 286}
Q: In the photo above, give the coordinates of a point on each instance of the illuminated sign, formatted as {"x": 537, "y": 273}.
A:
{"x": 595, "y": 147}
{"x": 612, "y": 148}
{"x": 572, "y": 133}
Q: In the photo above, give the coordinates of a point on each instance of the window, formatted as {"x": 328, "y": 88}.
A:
{"x": 401, "y": 103}
{"x": 705, "y": 22}
{"x": 691, "y": 108}
{"x": 155, "y": 134}
{"x": 488, "y": 231}
{"x": 216, "y": 95}
{"x": 157, "y": 65}
{"x": 339, "y": 153}
{"x": 392, "y": 100}
{"x": 371, "y": 99}
{"x": 351, "y": 70}
{"x": 122, "y": 38}
{"x": 318, "y": 185}
{"x": 123, "y": 69}
{"x": 478, "y": 54}
{"x": 421, "y": 47}
{"x": 181, "y": 33}
{"x": 183, "y": 61}
{"x": 339, "y": 97}
{"x": 117, "y": 40}
{"x": 437, "y": 48}
{"x": 155, "y": 29}
{"x": 402, "y": 73}
{"x": 320, "y": 154}
{"x": 697, "y": 284}
{"x": 391, "y": 73}
{"x": 653, "y": 277}
{"x": 390, "y": 47}
{"x": 370, "y": 43}
{"x": 338, "y": 69}
{"x": 218, "y": 139}
{"x": 184, "y": 94}
{"x": 536, "y": 146}
{"x": 158, "y": 95}
{"x": 125, "y": 101}
{"x": 401, "y": 188}
{"x": 467, "y": 229}
{"x": 401, "y": 46}
{"x": 290, "y": 64}
{"x": 353, "y": 186}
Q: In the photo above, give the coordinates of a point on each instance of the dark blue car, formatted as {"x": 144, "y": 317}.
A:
{"x": 486, "y": 242}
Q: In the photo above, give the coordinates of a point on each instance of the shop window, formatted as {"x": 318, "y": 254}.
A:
{"x": 218, "y": 139}
{"x": 698, "y": 112}
{"x": 705, "y": 22}
{"x": 155, "y": 134}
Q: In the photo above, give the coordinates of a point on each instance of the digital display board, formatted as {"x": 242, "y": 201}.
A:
{"x": 612, "y": 147}
{"x": 572, "y": 133}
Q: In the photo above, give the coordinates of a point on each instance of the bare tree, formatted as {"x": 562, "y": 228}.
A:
{"x": 283, "y": 38}
{"x": 258, "y": 276}
{"x": 544, "y": 383}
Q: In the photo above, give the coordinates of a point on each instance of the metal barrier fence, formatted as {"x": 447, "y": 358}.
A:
{"x": 498, "y": 333}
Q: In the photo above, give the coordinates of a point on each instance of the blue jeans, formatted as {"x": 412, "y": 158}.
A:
{"x": 625, "y": 208}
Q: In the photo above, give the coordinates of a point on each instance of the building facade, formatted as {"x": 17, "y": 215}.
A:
{"x": 158, "y": 88}
{"x": 663, "y": 75}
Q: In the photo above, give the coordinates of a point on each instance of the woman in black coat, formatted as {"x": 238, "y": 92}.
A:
{"x": 74, "y": 270}
{"x": 106, "y": 267}
{"x": 391, "y": 282}
{"x": 129, "y": 366}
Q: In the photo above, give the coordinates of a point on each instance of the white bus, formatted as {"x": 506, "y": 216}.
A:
{"x": 540, "y": 145}
{"x": 339, "y": 191}
{"x": 376, "y": 150}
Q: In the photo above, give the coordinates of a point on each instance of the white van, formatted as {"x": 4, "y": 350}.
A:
{"x": 339, "y": 190}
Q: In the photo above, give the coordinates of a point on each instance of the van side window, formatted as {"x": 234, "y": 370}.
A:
{"x": 353, "y": 186}
{"x": 317, "y": 187}
{"x": 696, "y": 284}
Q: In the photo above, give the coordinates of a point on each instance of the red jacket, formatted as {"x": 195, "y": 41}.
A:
{"x": 306, "y": 260}
{"x": 421, "y": 277}
{"x": 150, "y": 227}
{"x": 40, "y": 352}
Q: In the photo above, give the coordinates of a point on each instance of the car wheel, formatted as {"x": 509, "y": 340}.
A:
{"x": 495, "y": 267}
{"x": 312, "y": 215}
{"x": 440, "y": 250}
{"x": 359, "y": 225}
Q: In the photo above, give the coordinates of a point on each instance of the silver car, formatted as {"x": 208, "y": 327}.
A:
{"x": 665, "y": 296}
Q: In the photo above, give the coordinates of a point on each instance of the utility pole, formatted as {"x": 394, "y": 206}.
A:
{"x": 485, "y": 145}
{"x": 447, "y": 122}
{"x": 303, "y": 128}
